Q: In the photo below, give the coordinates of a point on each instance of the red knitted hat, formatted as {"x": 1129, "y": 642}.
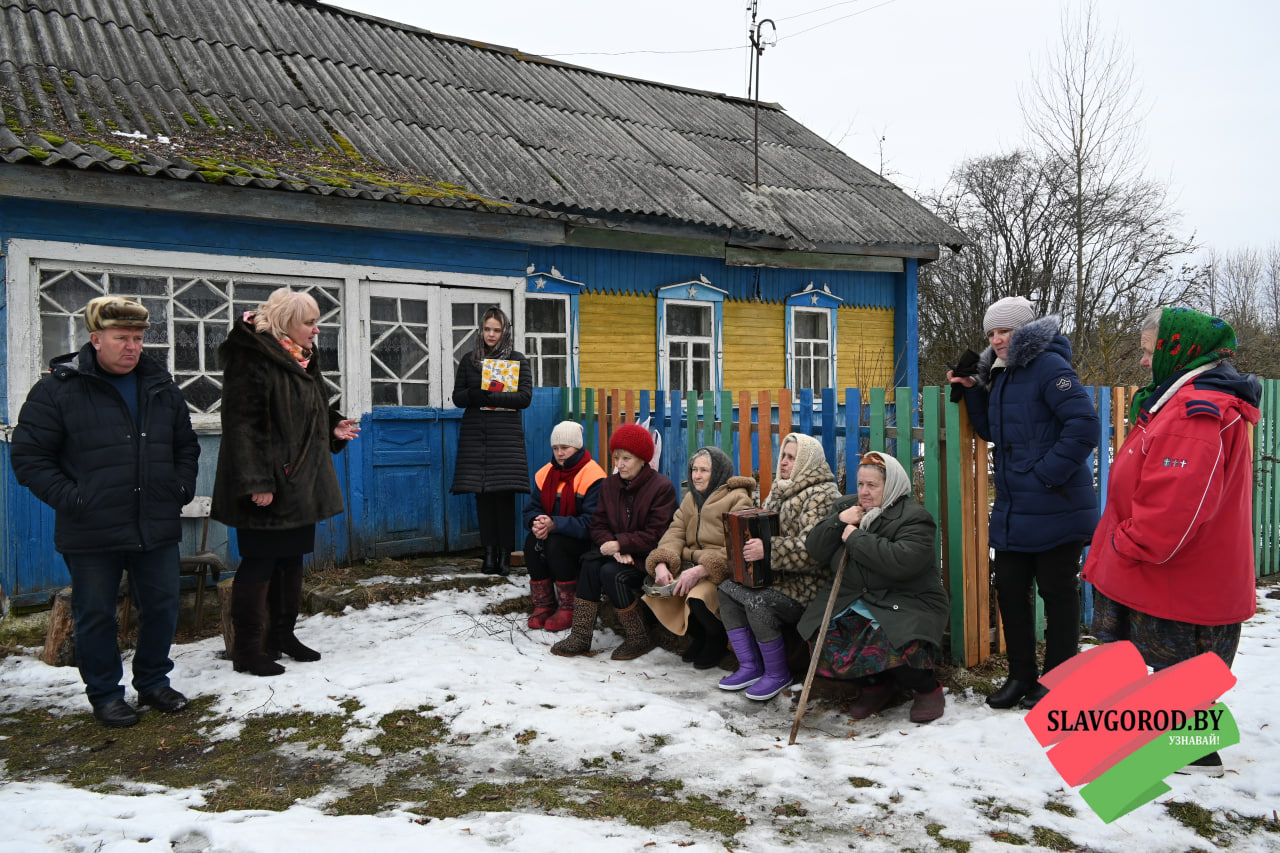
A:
{"x": 634, "y": 439}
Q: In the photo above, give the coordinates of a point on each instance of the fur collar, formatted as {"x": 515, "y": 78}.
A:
{"x": 1024, "y": 346}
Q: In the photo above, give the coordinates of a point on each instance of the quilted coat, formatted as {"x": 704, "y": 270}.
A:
{"x": 491, "y": 449}
{"x": 1043, "y": 427}
{"x": 114, "y": 485}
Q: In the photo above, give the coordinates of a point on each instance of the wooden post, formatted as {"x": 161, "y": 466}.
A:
{"x": 784, "y": 415}
{"x": 60, "y": 639}
{"x": 976, "y": 648}
{"x": 982, "y": 557}
{"x": 224, "y": 608}
{"x": 766, "y": 444}
{"x": 726, "y": 422}
{"x": 744, "y": 433}
{"x": 602, "y": 413}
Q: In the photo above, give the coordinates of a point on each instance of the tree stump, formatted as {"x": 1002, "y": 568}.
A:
{"x": 224, "y": 607}
{"x": 60, "y": 639}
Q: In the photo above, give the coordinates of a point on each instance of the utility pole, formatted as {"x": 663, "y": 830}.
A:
{"x": 753, "y": 77}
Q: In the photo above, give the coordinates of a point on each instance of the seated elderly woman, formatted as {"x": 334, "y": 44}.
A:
{"x": 891, "y": 609}
{"x": 803, "y": 491}
{"x": 691, "y": 555}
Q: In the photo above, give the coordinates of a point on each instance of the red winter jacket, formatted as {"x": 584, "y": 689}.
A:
{"x": 1176, "y": 536}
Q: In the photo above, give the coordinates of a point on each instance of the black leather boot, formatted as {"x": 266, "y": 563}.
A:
{"x": 490, "y": 564}
{"x": 1010, "y": 693}
{"x": 283, "y": 619}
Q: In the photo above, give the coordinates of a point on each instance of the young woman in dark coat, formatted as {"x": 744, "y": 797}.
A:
{"x": 491, "y": 462}
{"x": 275, "y": 475}
{"x": 1028, "y": 402}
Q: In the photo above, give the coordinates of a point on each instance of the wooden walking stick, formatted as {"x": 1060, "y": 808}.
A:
{"x": 817, "y": 646}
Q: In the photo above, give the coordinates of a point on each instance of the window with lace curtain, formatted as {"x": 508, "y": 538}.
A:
{"x": 190, "y": 313}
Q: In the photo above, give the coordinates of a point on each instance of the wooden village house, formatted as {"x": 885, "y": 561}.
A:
{"x": 197, "y": 154}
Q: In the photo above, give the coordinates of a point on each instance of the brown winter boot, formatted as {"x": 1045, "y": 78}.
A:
{"x": 544, "y": 603}
{"x": 584, "y": 625}
{"x": 249, "y": 617}
{"x": 637, "y": 640}
{"x": 927, "y": 707}
{"x": 566, "y": 591}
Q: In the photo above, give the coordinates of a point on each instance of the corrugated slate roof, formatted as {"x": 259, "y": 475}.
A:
{"x": 289, "y": 94}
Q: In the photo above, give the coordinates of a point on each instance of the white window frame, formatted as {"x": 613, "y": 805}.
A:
{"x": 23, "y": 327}
{"x": 553, "y": 285}
{"x": 370, "y": 290}
{"x": 701, "y": 293}
{"x": 813, "y": 299}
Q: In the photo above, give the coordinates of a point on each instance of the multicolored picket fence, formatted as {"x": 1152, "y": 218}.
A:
{"x": 951, "y": 465}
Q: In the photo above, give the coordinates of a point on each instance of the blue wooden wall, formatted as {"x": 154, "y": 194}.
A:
{"x": 396, "y": 478}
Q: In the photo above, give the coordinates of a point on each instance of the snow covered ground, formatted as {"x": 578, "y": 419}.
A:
{"x": 975, "y": 773}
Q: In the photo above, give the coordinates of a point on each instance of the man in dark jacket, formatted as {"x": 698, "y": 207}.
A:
{"x": 106, "y": 440}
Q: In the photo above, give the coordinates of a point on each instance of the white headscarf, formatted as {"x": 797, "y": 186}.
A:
{"x": 896, "y": 485}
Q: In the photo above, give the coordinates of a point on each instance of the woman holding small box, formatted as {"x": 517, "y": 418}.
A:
{"x": 491, "y": 461}
{"x": 802, "y": 493}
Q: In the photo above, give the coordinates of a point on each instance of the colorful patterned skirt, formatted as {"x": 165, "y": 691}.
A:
{"x": 855, "y": 648}
{"x": 1162, "y": 642}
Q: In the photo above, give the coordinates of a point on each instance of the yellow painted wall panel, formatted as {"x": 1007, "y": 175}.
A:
{"x": 617, "y": 341}
{"x": 755, "y": 350}
{"x": 865, "y": 348}
{"x": 617, "y": 338}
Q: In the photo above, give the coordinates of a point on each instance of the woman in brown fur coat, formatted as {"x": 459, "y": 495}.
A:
{"x": 275, "y": 475}
{"x": 692, "y": 556}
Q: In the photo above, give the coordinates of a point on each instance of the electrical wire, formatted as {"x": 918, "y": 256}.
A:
{"x": 734, "y": 47}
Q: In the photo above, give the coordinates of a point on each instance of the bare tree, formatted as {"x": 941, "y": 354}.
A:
{"x": 1271, "y": 288}
{"x": 1241, "y": 287}
{"x": 1003, "y": 206}
{"x": 1084, "y": 113}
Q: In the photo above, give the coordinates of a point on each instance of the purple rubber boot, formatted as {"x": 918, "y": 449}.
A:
{"x": 777, "y": 675}
{"x": 750, "y": 669}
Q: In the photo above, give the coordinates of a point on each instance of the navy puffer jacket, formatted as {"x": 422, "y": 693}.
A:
{"x": 1043, "y": 426}
{"x": 115, "y": 485}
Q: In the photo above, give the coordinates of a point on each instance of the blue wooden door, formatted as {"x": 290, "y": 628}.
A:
{"x": 406, "y": 487}
{"x": 403, "y": 512}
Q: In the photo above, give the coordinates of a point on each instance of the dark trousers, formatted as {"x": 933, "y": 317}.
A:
{"x": 765, "y": 611}
{"x": 262, "y": 569}
{"x": 1056, "y": 576}
{"x": 497, "y": 512}
{"x": 604, "y": 575}
{"x": 95, "y": 585}
{"x": 556, "y": 558}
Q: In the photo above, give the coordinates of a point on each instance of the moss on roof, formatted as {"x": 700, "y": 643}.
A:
{"x": 217, "y": 154}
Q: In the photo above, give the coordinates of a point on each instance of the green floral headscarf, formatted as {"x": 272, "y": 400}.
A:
{"x": 1186, "y": 339}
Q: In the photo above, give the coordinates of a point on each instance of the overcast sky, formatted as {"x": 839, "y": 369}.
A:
{"x": 939, "y": 80}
